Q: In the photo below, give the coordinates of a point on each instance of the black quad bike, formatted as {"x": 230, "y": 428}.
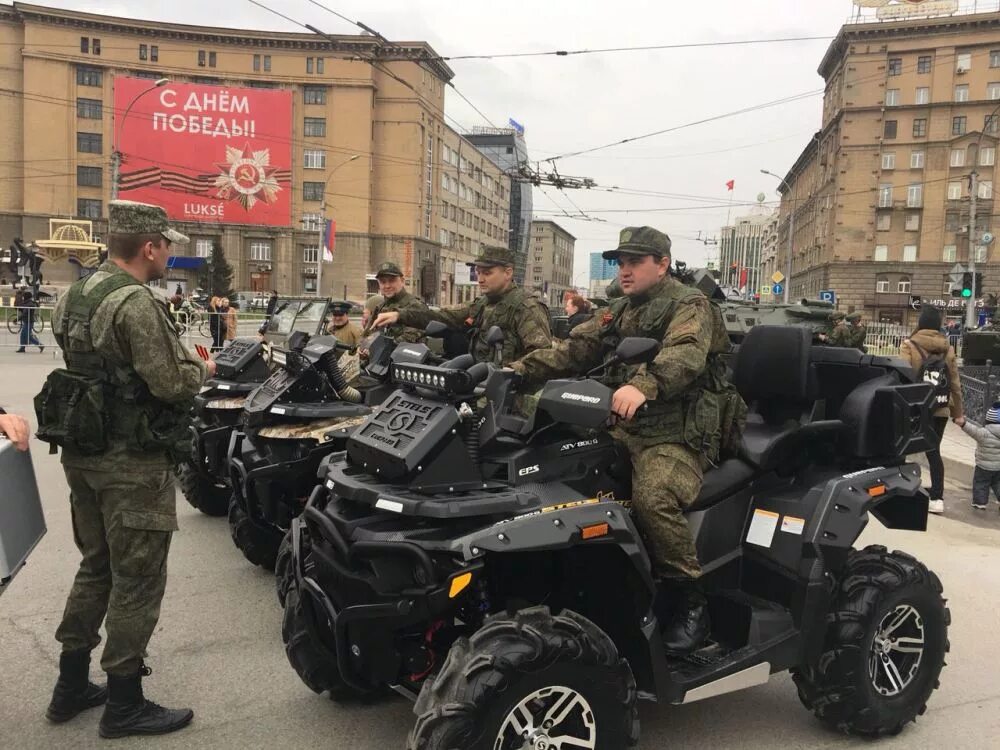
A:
{"x": 488, "y": 566}
{"x": 241, "y": 366}
{"x": 290, "y": 423}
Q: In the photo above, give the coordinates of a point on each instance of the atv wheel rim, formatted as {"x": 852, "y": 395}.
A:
{"x": 553, "y": 718}
{"x": 897, "y": 650}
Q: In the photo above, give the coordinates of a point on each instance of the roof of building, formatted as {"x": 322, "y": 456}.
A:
{"x": 561, "y": 229}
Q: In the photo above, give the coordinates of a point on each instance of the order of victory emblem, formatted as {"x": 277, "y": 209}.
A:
{"x": 247, "y": 177}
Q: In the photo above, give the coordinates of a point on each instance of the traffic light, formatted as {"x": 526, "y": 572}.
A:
{"x": 966, "y": 292}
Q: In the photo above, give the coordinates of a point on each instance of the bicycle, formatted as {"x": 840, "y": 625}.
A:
{"x": 14, "y": 322}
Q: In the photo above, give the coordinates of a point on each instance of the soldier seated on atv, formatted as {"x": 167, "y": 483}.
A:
{"x": 840, "y": 334}
{"x": 395, "y": 298}
{"x": 653, "y": 406}
{"x": 523, "y": 320}
{"x": 857, "y": 330}
{"x": 341, "y": 327}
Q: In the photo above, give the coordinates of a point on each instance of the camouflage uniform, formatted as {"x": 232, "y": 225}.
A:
{"x": 523, "y": 319}
{"x": 857, "y": 330}
{"x": 840, "y": 334}
{"x": 398, "y": 303}
{"x": 122, "y": 501}
{"x": 666, "y": 465}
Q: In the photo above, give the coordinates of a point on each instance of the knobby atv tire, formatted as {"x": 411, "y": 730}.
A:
{"x": 284, "y": 576}
{"x": 201, "y": 493}
{"x": 484, "y": 677}
{"x": 258, "y": 545}
{"x": 839, "y": 690}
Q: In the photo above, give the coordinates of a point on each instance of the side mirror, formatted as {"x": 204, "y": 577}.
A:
{"x": 494, "y": 336}
{"x": 634, "y": 350}
{"x": 436, "y": 329}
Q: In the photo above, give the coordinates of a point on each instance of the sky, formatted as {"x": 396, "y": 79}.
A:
{"x": 571, "y": 103}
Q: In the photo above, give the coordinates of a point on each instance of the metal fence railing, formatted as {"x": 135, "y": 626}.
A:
{"x": 980, "y": 389}
{"x": 885, "y": 339}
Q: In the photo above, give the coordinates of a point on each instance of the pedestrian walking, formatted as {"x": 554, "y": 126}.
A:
{"x": 216, "y": 323}
{"x": 230, "y": 319}
{"x": 26, "y": 315}
{"x": 933, "y": 359}
{"x": 119, "y": 411}
{"x": 986, "y": 476}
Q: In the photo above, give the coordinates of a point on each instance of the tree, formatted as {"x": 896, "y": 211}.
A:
{"x": 216, "y": 275}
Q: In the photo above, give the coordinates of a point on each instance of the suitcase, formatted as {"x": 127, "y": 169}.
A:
{"x": 22, "y": 524}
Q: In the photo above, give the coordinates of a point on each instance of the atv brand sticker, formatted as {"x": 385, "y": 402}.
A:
{"x": 762, "y": 528}
{"x": 392, "y": 505}
{"x": 574, "y": 504}
{"x": 413, "y": 353}
{"x": 863, "y": 471}
{"x": 529, "y": 514}
{"x": 528, "y": 470}
{"x": 606, "y": 497}
{"x": 277, "y": 410}
{"x": 793, "y": 525}
{"x": 580, "y": 444}
{"x": 580, "y": 397}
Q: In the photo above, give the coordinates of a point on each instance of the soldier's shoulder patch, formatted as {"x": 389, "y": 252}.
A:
{"x": 606, "y": 317}
{"x": 468, "y": 321}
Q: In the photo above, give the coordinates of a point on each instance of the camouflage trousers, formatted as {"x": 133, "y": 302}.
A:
{"x": 666, "y": 478}
{"x": 122, "y": 525}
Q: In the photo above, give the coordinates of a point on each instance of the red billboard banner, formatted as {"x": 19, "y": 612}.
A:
{"x": 207, "y": 153}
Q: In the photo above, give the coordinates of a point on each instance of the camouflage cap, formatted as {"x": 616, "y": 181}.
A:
{"x": 129, "y": 217}
{"x": 388, "y": 269}
{"x": 374, "y": 301}
{"x": 640, "y": 241}
{"x": 856, "y": 315}
{"x": 837, "y": 315}
{"x": 491, "y": 255}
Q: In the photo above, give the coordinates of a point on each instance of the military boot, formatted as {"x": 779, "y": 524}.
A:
{"x": 74, "y": 691}
{"x": 129, "y": 713}
{"x": 689, "y": 627}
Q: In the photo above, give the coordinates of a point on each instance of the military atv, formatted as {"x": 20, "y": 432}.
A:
{"x": 487, "y": 566}
{"x": 241, "y": 366}
{"x": 300, "y": 415}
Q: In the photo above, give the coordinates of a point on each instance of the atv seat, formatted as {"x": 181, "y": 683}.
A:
{"x": 773, "y": 374}
{"x": 721, "y": 482}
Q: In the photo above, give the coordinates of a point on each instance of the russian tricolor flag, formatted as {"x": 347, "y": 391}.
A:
{"x": 329, "y": 240}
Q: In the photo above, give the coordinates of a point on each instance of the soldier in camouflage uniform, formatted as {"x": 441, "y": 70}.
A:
{"x": 840, "y": 334}
{"x": 524, "y": 321}
{"x": 112, "y": 327}
{"x": 392, "y": 286}
{"x": 857, "y": 330}
{"x": 341, "y": 326}
{"x": 659, "y": 407}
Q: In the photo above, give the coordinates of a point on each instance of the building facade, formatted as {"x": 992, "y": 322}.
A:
{"x": 550, "y": 263}
{"x": 880, "y": 193}
{"x": 507, "y": 149}
{"x": 740, "y": 253}
{"x": 769, "y": 259}
{"x": 369, "y": 148}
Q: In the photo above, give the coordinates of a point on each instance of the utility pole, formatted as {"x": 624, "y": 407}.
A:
{"x": 970, "y": 304}
{"x": 116, "y": 154}
{"x": 791, "y": 230}
{"x": 322, "y": 228}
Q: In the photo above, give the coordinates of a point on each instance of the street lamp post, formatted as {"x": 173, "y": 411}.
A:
{"x": 322, "y": 226}
{"x": 791, "y": 231}
{"x": 116, "y": 155}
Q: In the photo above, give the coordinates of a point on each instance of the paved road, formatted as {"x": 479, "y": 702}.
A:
{"x": 218, "y": 646}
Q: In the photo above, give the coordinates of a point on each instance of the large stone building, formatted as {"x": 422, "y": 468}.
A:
{"x": 740, "y": 246}
{"x": 418, "y": 193}
{"x": 550, "y": 261}
{"x": 881, "y": 191}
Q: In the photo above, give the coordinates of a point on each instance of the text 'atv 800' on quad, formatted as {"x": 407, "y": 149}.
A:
{"x": 480, "y": 563}
{"x": 301, "y": 414}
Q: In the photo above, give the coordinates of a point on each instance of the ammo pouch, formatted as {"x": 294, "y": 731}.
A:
{"x": 72, "y": 412}
{"x": 150, "y": 425}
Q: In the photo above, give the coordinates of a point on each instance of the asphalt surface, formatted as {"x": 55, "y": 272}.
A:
{"x": 218, "y": 645}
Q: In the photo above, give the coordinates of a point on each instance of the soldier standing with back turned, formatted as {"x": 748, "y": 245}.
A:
{"x": 118, "y": 340}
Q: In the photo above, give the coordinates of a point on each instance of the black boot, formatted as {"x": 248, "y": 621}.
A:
{"x": 74, "y": 691}
{"x": 129, "y": 713}
{"x": 689, "y": 627}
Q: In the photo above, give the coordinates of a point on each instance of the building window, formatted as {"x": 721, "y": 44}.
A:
{"x": 916, "y": 160}
{"x": 89, "y": 176}
{"x": 89, "y": 143}
{"x": 915, "y": 196}
{"x": 903, "y": 285}
{"x": 955, "y": 190}
{"x": 963, "y": 62}
{"x": 890, "y": 128}
{"x": 909, "y": 253}
{"x": 881, "y": 285}
{"x": 85, "y": 45}
{"x": 256, "y": 63}
{"x": 310, "y": 255}
{"x": 987, "y": 156}
{"x": 143, "y": 52}
{"x": 314, "y": 159}
{"x": 883, "y": 221}
{"x": 986, "y": 189}
{"x": 991, "y": 123}
{"x": 993, "y": 91}
{"x": 260, "y": 250}
{"x": 309, "y": 65}
{"x": 962, "y": 92}
{"x": 314, "y": 94}
{"x": 211, "y": 59}
{"x": 203, "y": 248}
{"x": 267, "y": 63}
{"x": 949, "y": 253}
{"x": 95, "y": 46}
{"x": 888, "y": 161}
{"x": 319, "y": 66}
{"x": 958, "y": 157}
{"x": 885, "y": 196}
{"x": 958, "y": 125}
{"x": 88, "y": 208}
{"x": 881, "y": 252}
{"x": 88, "y": 76}
{"x": 895, "y": 66}
{"x": 312, "y": 191}
{"x": 995, "y": 58}
{"x": 924, "y": 64}
{"x": 892, "y": 98}
{"x": 912, "y": 223}
{"x": 919, "y": 127}
{"x": 922, "y": 96}
{"x": 951, "y": 221}
{"x": 311, "y": 222}
{"x": 315, "y": 127}
{"x": 154, "y": 53}
{"x": 202, "y": 55}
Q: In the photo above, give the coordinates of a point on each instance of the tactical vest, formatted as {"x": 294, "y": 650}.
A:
{"x": 504, "y": 314}
{"x": 710, "y": 416}
{"x": 401, "y": 301}
{"x": 95, "y": 402}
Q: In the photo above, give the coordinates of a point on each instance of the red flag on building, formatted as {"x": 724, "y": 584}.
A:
{"x": 730, "y": 185}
